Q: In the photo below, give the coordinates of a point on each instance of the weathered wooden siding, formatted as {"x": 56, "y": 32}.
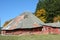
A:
{"x": 40, "y": 30}
{"x": 22, "y": 31}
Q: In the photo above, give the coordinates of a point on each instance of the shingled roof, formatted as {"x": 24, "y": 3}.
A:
{"x": 25, "y": 20}
{"x": 53, "y": 24}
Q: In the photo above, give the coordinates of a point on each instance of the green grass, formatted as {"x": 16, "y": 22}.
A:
{"x": 31, "y": 37}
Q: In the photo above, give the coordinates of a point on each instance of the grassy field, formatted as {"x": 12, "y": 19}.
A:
{"x": 31, "y": 37}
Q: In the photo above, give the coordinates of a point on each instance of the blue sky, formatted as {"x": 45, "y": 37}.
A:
{"x": 12, "y": 8}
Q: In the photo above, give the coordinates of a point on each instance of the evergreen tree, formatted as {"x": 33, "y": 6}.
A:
{"x": 51, "y": 8}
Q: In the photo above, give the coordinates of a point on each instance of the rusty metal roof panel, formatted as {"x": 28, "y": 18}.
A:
{"x": 25, "y": 20}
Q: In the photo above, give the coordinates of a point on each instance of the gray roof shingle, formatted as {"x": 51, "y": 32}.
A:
{"x": 27, "y": 22}
{"x": 53, "y": 24}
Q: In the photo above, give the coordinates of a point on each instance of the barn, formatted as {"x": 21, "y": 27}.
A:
{"x": 27, "y": 23}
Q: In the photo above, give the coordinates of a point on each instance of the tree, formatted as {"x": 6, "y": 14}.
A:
{"x": 51, "y": 7}
{"x": 7, "y": 22}
{"x": 0, "y": 29}
{"x": 57, "y": 18}
{"x": 41, "y": 14}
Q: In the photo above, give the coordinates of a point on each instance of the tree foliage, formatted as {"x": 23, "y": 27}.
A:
{"x": 51, "y": 8}
{"x": 7, "y": 22}
{"x": 41, "y": 14}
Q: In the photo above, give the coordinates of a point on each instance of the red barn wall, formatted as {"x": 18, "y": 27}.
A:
{"x": 22, "y": 31}
{"x": 40, "y": 30}
{"x": 51, "y": 30}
